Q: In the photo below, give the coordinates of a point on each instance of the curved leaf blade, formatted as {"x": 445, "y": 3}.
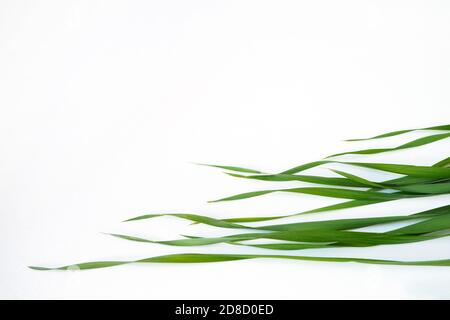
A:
{"x": 206, "y": 258}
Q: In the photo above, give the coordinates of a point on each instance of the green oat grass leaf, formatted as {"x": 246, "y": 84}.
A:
{"x": 326, "y": 192}
{"x": 443, "y": 163}
{"x": 427, "y": 188}
{"x": 331, "y": 181}
{"x": 337, "y": 224}
{"x": 430, "y": 172}
{"x": 206, "y": 258}
{"x": 231, "y": 168}
{"x": 415, "y": 174}
{"x": 398, "y": 132}
{"x": 434, "y": 224}
{"x": 192, "y": 217}
{"x": 411, "y": 144}
{"x": 362, "y": 181}
{"x": 316, "y": 236}
{"x": 338, "y": 206}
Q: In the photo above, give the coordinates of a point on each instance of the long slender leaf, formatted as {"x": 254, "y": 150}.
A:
{"x": 338, "y": 206}
{"x": 194, "y": 218}
{"x": 231, "y": 168}
{"x": 339, "y": 237}
{"x": 442, "y": 163}
{"x": 431, "y": 172}
{"x": 338, "y": 224}
{"x": 204, "y": 258}
{"x": 325, "y": 192}
{"x": 331, "y": 181}
{"x": 398, "y": 132}
{"x": 434, "y": 224}
{"x": 411, "y": 144}
{"x": 426, "y": 188}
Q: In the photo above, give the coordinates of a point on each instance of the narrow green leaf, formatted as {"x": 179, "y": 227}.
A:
{"x": 246, "y": 195}
{"x": 427, "y": 188}
{"x": 410, "y": 170}
{"x": 443, "y": 163}
{"x": 398, "y": 132}
{"x": 288, "y": 246}
{"x": 360, "y": 180}
{"x": 433, "y": 224}
{"x": 338, "y": 224}
{"x": 411, "y": 144}
{"x": 338, "y": 206}
{"x": 332, "y": 181}
{"x": 315, "y": 236}
{"x": 231, "y": 168}
{"x": 304, "y": 167}
{"x": 204, "y": 258}
{"x": 325, "y": 192}
{"x": 194, "y": 218}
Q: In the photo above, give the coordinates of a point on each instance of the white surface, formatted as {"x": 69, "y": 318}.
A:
{"x": 104, "y": 104}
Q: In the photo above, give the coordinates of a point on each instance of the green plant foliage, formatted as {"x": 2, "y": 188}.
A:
{"x": 417, "y": 181}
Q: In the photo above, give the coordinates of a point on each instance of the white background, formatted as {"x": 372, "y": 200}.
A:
{"x": 105, "y": 104}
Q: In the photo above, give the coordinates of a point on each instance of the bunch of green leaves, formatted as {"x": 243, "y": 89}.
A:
{"x": 416, "y": 181}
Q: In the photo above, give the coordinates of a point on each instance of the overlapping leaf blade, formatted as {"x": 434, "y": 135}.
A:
{"x": 205, "y": 258}
{"x": 445, "y": 127}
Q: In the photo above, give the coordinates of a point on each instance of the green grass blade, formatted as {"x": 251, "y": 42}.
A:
{"x": 338, "y": 224}
{"x": 246, "y": 195}
{"x": 362, "y": 181}
{"x": 427, "y": 188}
{"x": 206, "y": 258}
{"x": 434, "y": 224}
{"x": 287, "y": 246}
{"x": 443, "y": 163}
{"x": 407, "y": 180}
{"x": 415, "y": 174}
{"x": 411, "y": 144}
{"x": 338, "y": 206}
{"x": 305, "y": 166}
{"x": 326, "y": 192}
{"x": 231, "y": 168}
{"x": 194, "y": 218}
{"x": 351, "y": 180}
{"x": 331, "y": 181}
{"x": 434, "y": 188}
{"x": 398, "y": 132}
{"x": 317, "y": 236}
{"x": 432, "y": 172}
{"x": 296, "y": 169}
{"x": 84, "y": 266}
